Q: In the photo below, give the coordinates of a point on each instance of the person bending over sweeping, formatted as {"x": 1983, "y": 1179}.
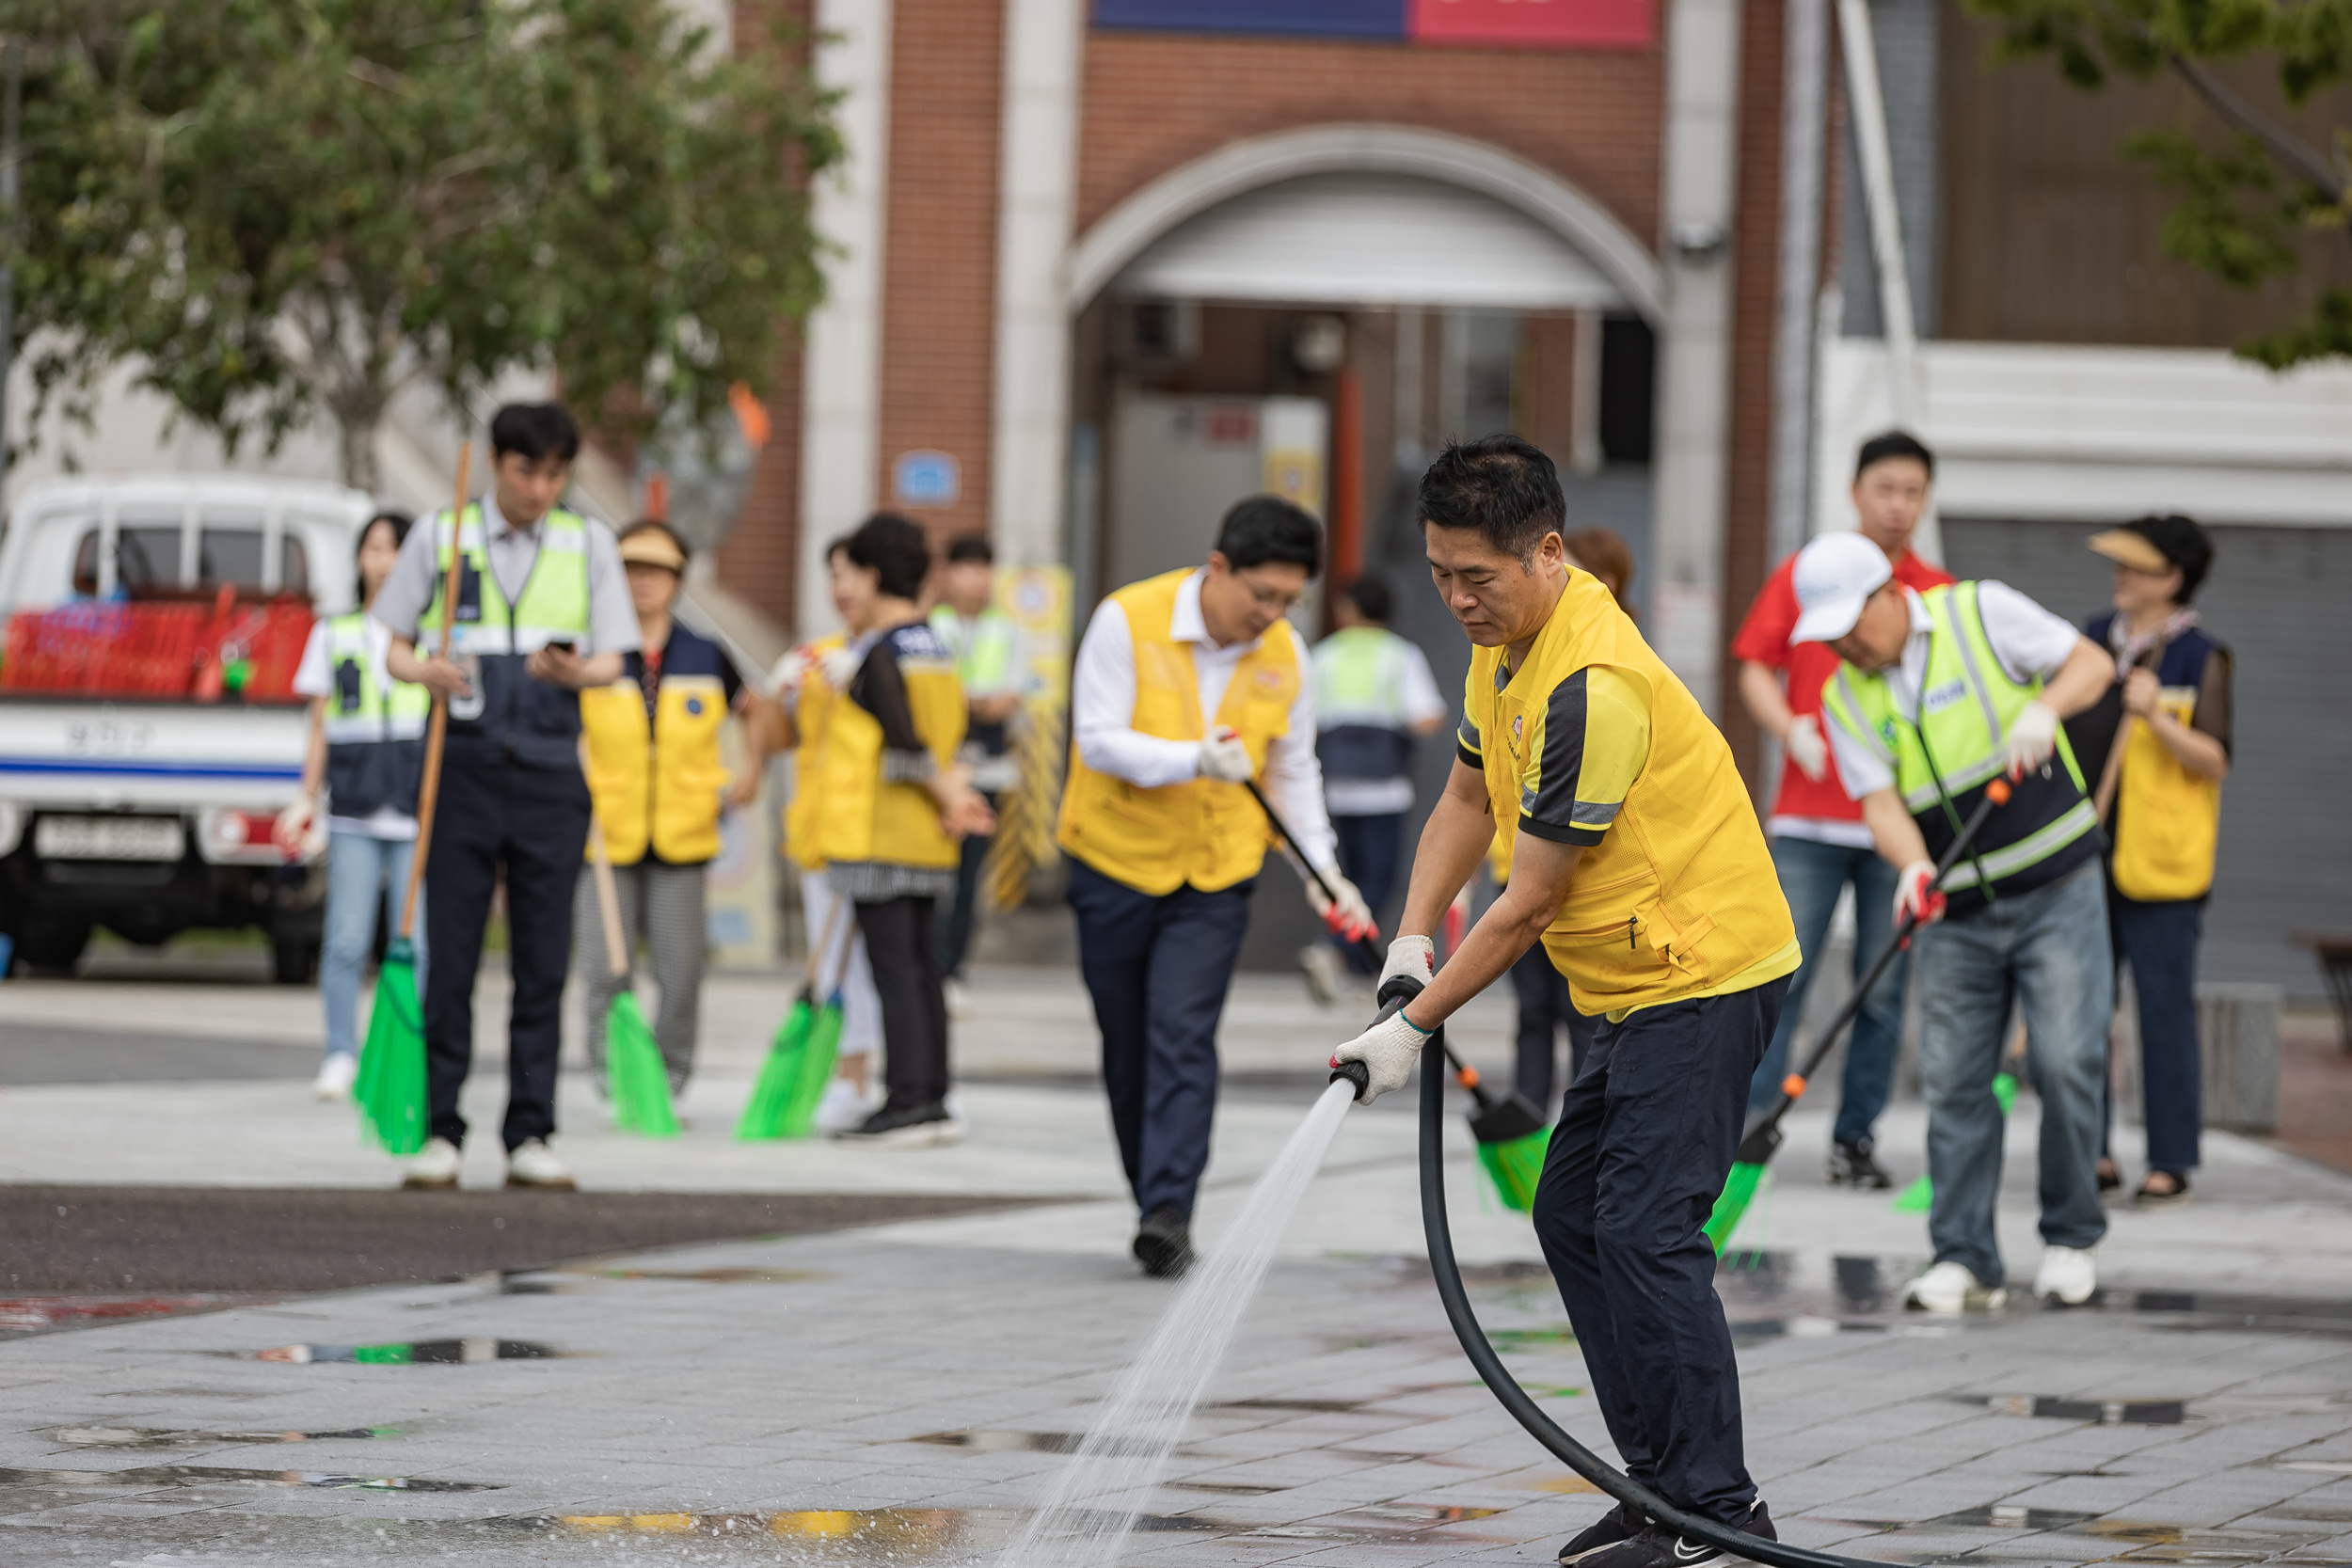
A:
{"x": 1637, "y": 860}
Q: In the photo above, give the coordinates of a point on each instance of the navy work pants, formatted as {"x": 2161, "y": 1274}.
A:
{"x": 2160, "y": 941}
{"x": 534, "y": 823}
{"x": 1644, "y": 1139}
{"x": 1370, "y": 849}
{"x": 1158, "y": 967}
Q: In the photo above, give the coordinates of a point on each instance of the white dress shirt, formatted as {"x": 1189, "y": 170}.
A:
{"x": 2029, "y": 641}
{"x": 1103, "y": 715}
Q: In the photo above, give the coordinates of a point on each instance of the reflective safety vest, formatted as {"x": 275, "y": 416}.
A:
{"x": 658, "y": 784}
{"x": 1361, "y": 728}
{"x": 375, "y": 726}
{"x": 857, "y": 813}
{"x": 1199, "y": 833}
{"x": 1943, "y": 759}
{"x": 1680, "y": 898}
{"x": 513, "y": 716}
{"x": 808, "y": 759}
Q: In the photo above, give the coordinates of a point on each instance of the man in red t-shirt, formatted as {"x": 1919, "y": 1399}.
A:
{"x": 1820, "y": 840}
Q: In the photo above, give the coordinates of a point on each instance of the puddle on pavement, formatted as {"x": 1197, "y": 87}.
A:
{"x": 2010, "y": 1516}
{"x": 1523, "y": 1338}
{"x": 23, "y": 1315}
{"x": 1418, "y": 1513}
{"x": 2106, "y": 1412}
{"x": 1222, "y": 1488}
{"x": 152, "y": 1476}
{"x": 542, "y": 1282}
{"x": 893, "y": 1533}
{"x": 171, "y": 1437}
{"x": 407, "y": 1353}
{"x": 1314, "y": 1408}
{"x": 991, "y": 1440}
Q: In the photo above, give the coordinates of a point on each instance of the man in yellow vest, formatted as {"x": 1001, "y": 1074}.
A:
{"x": 1637, "y": 860}
{"x": 1187, "y": 686}
{"x": 541, "y": 611}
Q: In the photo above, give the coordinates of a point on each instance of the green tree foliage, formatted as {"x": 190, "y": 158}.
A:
{"x": 283, "y": 208}
{"x": 2251, "y": 183}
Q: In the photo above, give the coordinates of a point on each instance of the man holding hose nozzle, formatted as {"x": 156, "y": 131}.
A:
{"x": 1636, "y": 859}
{"x": 1940, "y": 693}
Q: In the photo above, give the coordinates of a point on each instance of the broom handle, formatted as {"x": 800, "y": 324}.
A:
{"x": 824, "y": 943}
{"x": 607, "y": 895}
{"x": 436, "y": 728}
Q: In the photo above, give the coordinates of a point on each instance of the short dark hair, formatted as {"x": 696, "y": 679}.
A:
{"x": 1371, "y": 598}
{"x": 1892, "y": 444}
{"x": 2182, "y": 543}
{"x": 1260, "y": 530}
{"x": 532, "y": 431}
{"x": 1501, "y": 486}
{"x": 971, "y": 548}
{"x": 398, "y": 522}
{"x": 894, "y": 549}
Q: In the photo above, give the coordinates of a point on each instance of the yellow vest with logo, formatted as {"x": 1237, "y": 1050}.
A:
{"x": 2169, "y": 818}
{"x": 808, "y": 758}
{"x": 656, "y": 784}
{"x": 1199, "y": 833}
{"x": 857, "y": 814}
{"x": 1680, "y": 897}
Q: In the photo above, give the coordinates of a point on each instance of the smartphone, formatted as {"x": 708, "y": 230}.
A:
{"x": 567, "y": 646}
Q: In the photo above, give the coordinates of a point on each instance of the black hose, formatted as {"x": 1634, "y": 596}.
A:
{"x": 1505, "y": 1388}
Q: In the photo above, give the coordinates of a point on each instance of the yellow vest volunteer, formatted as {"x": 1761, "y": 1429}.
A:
{"x": 1594, "y": 741}
{"x": 1200, "y": 831}
{"x": 858, "y": 809}
{"x": 657, "y": 780}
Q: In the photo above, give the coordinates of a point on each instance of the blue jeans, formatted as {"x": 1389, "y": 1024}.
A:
{"x": 1811, "y": 873}
{"x": 2160, "y": 941}
{"x": 363, "y": 874}
{"x": 2046, "y": 950}
{"x": 1369, "y": 847}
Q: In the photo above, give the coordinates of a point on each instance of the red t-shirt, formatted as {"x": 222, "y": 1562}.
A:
{"x": 1764, "y": 639}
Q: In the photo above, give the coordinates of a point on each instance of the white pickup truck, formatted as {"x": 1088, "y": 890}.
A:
{"x": 152, "y": 814}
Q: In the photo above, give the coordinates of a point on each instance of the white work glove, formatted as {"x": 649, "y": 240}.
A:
{"x": 1915, "y": 892}
{"x": 2030, "y": 740}
{"x": 841, "y": 666}
{"x": 1806, "y": 748}
{"x": 1414, "y": 958}
{"x": 791, "y": 669}
{"x": 1388, "y": 1049}
{"x": 1224, "y": 758}
{"x": 1348, "y": 917}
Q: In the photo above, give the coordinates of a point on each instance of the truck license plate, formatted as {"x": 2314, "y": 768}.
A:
{"x": 109, "y": 838}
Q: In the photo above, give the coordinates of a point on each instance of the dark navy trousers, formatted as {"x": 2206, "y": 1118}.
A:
{"x": 1158, "y": 967}
{"x": 1644, "y": 1139}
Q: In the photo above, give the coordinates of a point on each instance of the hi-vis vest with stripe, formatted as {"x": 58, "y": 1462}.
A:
{"x": 658, "y": 785}
{"x": 1680, "y": 897}
{"x": 520, "y": 719}
{"x": 1362, "y": 729}
{"x": 1942, "y": 761}
{"x": 808, "y": 759}
{"x": 375, "y": 726}
{"x": 1200, "y": 833}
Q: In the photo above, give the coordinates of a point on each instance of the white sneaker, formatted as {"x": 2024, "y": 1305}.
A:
{"x": 336, "y": 1076}
{"x": 2067, "y": 1273}
{"x": 1324, "y": 972}
{"x": 436, "y": 1166}
{"x": 1949, "y": 1287}
{"x": 958, "y": 996}
{"x": 843, "y": 1106}
{"x": 533, "y": 1165}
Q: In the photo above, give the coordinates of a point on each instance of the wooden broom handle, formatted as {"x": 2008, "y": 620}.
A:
{"x": 436, "y": 727}
{"x": 607, "y": 895}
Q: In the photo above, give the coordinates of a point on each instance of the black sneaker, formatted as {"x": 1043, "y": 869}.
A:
{"x": 1851, "y": 1165}
{"x": 905, "y": 1127}
{"x": 1164, "y": 1242}
{"x": 1621, "y": 1522}
{"x": 1659, "y": 1546}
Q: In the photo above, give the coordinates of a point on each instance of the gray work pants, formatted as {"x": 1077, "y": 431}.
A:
{"x": 663, "y": 904}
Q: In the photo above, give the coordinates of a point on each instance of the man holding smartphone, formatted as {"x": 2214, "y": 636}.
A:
{"x": 543, "y": 610}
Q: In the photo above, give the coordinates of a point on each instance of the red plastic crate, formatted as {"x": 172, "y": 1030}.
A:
{"x": 119, "y": 649}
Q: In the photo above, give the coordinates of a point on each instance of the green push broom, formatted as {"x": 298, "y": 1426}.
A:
{"x": 633, "y": 1068}
{"x": 390, "y": 1090}
{"x": 1763, "y": 1136}
{"x": 1919, "y": 1197}
{"x": 1507, "y": 1129}
{"x": 791, "y": 1054}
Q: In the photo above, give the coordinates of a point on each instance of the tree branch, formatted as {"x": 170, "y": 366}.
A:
{"x": 2299, "y": 157}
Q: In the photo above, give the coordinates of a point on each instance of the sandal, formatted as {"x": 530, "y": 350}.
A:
{"x": 2151, "y": 1197}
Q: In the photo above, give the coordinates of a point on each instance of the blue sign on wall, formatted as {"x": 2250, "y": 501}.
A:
{"x": 1353, "y": 19}
{"x": 926, "y": 478}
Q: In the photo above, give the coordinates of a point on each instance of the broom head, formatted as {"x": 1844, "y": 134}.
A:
{"x": 824, "y": 1043}
{"x": 763, "y": 1114}
{"x": 1506, "y": 1119}
{"x": 390, "y": 1090}
{"x": 1515, "y": 1168}
{"x": 633, "y": 1068}
{"x": 1919, "y": 1197}
{"x": 1732, "y": 1205}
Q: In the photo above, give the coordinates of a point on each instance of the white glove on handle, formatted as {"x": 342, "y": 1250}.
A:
{"x": 1914, "y": 894}
{"x": 1348, "y": 917}
{"x": 841, "y": 666}
{"x": 1224, "y": 758}
{"x": 1386, "y": 1049}
{"x": 1806, "y": 748}
{"x": 2032, "y": 736}
{"x": 1415, "y": 957}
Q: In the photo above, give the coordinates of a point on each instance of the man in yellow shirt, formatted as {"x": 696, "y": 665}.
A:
{"x": 1637, "y": 860}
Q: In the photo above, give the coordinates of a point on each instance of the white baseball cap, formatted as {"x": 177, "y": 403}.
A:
{"x": 1834, "y": 575}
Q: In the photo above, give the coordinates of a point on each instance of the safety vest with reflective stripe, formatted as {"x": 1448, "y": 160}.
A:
{"x": 658, "y": 784}
{"x": 1943, "y": 759}
{"x": 1362, "y": 729}
{"x": 375, "y": 726}
{"x": 519, "y": 718}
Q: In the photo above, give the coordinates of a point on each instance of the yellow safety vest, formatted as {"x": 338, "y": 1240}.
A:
{"x": 656, "y": 784}
{"x": 2169, "y": 820}
{"x": 857, "y": 813}
{"x": 808, "y": 758}
{"x": 1200, "y": 833}
{"x": 1679, "y": 897}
